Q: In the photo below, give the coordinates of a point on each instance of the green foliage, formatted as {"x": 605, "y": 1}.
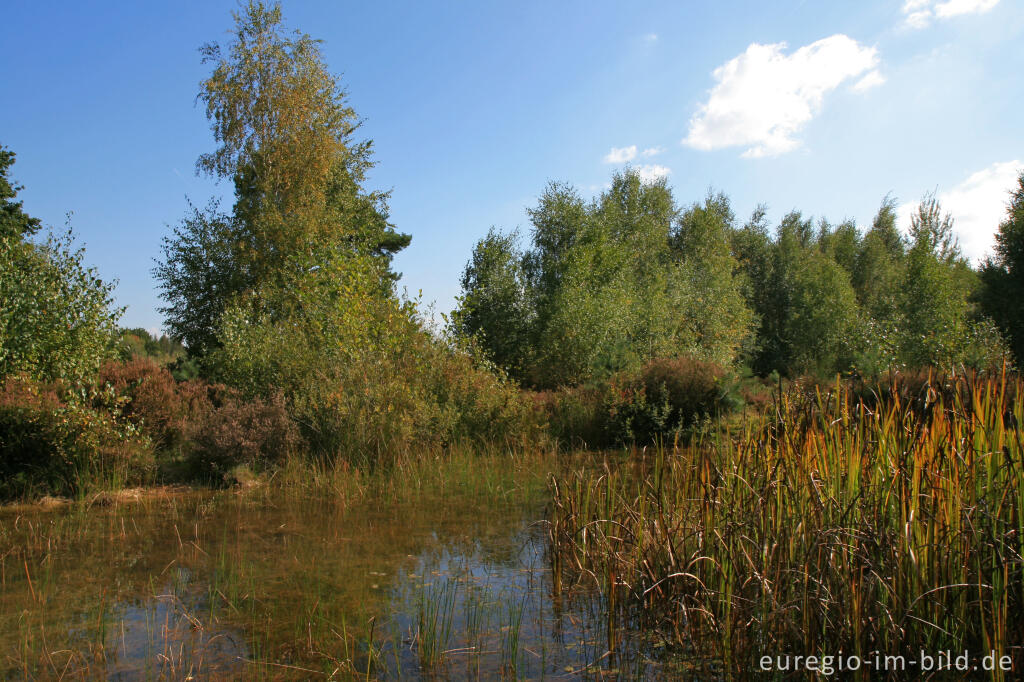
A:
{"x": 58, "y": 432}
{"x": 362, "y": 374}
{"x": 878, "y": 267}
{"x": 138, "y": 341}
{"x": 292, "y": 293}
{"x": 56, "y": 322}
{"x": 199, "y": 276}
{"x": 782, "y": 293}
{"x": 832, "y": 301}
{"x": 822, "y": 317}
{"x": 716, "y": 321}
{"x": 935, "y": 290}
{"x": 285, "y": 140}
{"x": 665, "y": 399}
{"x": 57, "y": 441}
{"x": 15, "y": 224}
{"x": 606, "y": 286}
{"x": 495, "y": 301}
{"x": 1003, "y": 275}
{"x": 285, "y": 135}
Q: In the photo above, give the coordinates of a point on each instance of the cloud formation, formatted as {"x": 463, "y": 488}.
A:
{"x": 651, "y": 172}
{"x": 621, "y": 154}
{"x": 978, "y": 205}
{"x": 763, "y": 97}
{"x": 920, "y": 13}
{"x": 652, "y": 151}
{"x": 872, "y": 79}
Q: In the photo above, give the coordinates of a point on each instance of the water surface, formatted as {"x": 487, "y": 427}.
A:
{"x": 453, "y": 582}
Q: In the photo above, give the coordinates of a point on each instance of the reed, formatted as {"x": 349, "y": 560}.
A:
{"x": 829, "y": 527}
{"x": 510, "y": 640}
{"x": 435, "y": 617}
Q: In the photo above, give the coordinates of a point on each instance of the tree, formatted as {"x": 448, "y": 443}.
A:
{"x": 799, "y": 287}
{"x": 935, "y": 290}
{"x": 716, "y": 319}
{"x": 201, "y": 274}
{"x": 495, "y": 308}
{"x": 285, "y": 139}
{"x": 607, "y": 285}
{"x": 57, "y": 321}
{"x": 1002, "y": 275}
{"x": 841, "y": 244}
{"x": 774, "y": 281}
{"x": 14, "y": 222}
{"x": 822, "y": 318}
{"x": 878, "y": 271}
{"x": 285, "y": 133}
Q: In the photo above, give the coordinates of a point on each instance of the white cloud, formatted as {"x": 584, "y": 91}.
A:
{"x": 764, "y": 97}
{"x": 651, "y": 38}
{"x": 952, "y": 8}
{"x": 651, "y": 151}
{"x": 621, "y": 154}
{"x": 651, "y": 172}
{"x": 919, "y": 13}
{"x": 872, "y": 79}
{"x": 978, "y": 205}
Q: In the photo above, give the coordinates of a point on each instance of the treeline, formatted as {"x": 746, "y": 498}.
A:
{"x": 608, "y": 285}
{"x": 287, "y": 336}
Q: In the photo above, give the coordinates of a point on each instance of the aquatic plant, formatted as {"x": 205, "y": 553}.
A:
{"x": 832, "y": 526}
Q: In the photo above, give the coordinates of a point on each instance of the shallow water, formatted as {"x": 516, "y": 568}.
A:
{"x": 263, "y": 585}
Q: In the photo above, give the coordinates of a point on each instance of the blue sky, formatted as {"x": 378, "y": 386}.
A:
{"x": 473, "y": 107}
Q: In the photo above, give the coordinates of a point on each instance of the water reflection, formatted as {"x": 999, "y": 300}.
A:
{"x": 221, "y": 586}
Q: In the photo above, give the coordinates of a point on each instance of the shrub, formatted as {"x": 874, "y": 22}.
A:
{"x": 484, "y": 404}
{"x": 576, "y": 416}
{"x": 666, "y": 398}
{"x": 210, "y": 427}
{"x": 52, "y": 441}
{"x": 154, "y": 401}
{"x": 252, "y": 433}
{"x": 365, "y": 377}
{"x": 56, "y": 321}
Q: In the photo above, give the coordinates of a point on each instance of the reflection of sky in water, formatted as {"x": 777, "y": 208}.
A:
{"x": 493, "y": 592}
{"x": 165, "y": 636}
{"x": 200, "y": 585}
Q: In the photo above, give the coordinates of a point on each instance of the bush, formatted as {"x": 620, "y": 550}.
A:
{"x": 576, "y": 416}
{"x": 155, "y": 402}
{"x": 365, "y": 376}
{"x": 209, "y": 427}
{"x": 666, "y": 398}
{"x": 483, "y": 403}
{"x": 52, "y": 441}
{"x": 56, "y": 320}
{"x": 250, "y": 433}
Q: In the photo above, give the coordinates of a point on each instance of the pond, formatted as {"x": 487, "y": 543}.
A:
{"x": 444, "y": 581}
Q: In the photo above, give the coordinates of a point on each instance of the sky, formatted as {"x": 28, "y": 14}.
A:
{"x": 473, "y": 107}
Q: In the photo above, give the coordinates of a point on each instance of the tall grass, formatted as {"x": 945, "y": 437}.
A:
{"x": 832, "y": 527}
{"x": 436, "y": 609}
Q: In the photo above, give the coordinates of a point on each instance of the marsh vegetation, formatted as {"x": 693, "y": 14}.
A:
{"x": 653, "y": 440}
